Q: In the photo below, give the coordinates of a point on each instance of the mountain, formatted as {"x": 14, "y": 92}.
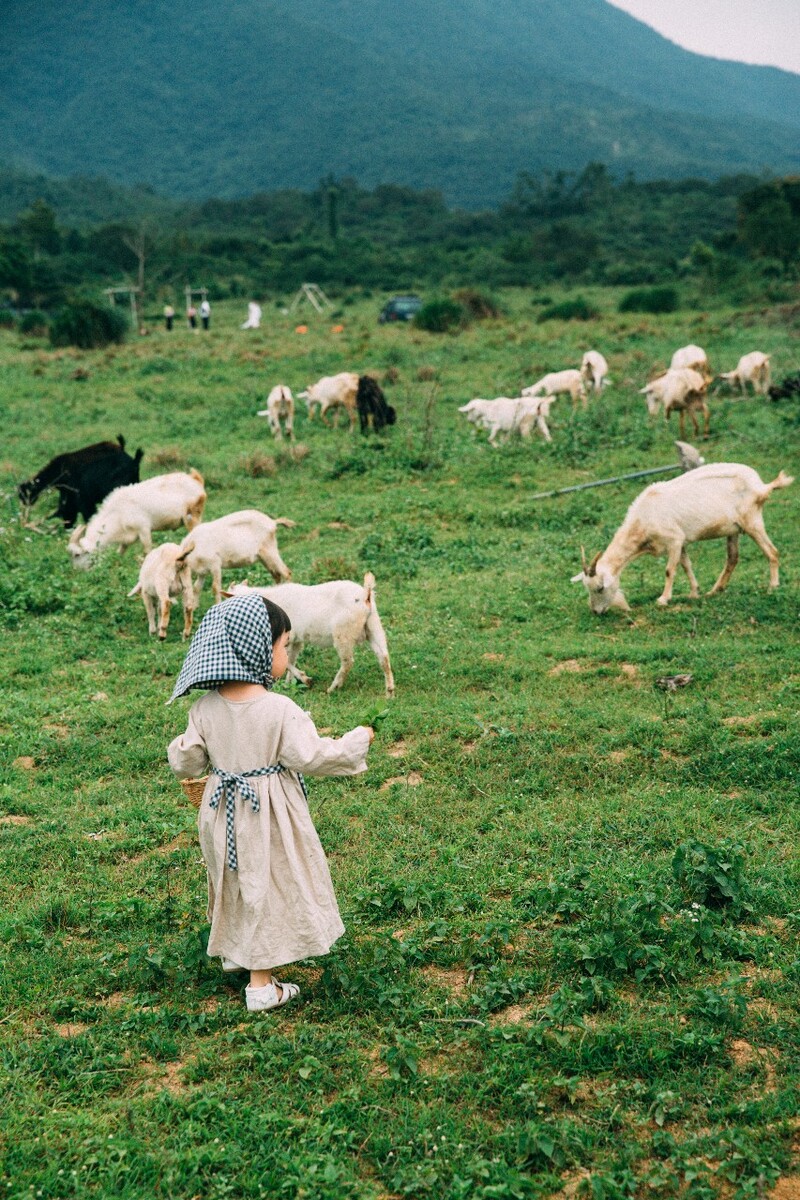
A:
{"x": 209, "y": 98}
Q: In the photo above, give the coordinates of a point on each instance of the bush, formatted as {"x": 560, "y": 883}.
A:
{"x": 87, "y": 325}
{"x": 479, "y": 305}
{"x": 7, "y": 319}
{"x": 34, "y": 322}
{"x": 578, "y": 309}
{"x": 650, "y": 300}
{"x": 712, "y": 876}
{"x": 441, "y": 316}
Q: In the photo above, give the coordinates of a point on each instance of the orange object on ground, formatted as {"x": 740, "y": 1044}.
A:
{"x": 337, "y": 328}
{"x": 301, "y": 329}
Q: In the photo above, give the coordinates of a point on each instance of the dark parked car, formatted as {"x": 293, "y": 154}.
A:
{"x": 400, "y": 308}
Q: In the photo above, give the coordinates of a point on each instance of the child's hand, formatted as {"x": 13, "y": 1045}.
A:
{"x": 371, "y": 734}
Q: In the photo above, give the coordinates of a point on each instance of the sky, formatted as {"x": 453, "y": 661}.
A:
{"x": 751, "y": 31}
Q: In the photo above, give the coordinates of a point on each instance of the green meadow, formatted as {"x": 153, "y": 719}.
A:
{"x": 571, "y": 897}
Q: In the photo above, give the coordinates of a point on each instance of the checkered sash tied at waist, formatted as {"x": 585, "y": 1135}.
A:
{"x": 228, "y": 785}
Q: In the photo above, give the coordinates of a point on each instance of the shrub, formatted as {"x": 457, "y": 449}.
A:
{"x": 34, "y": 322}
{"x": 479, "y": 305}
{"x": 712, "y": 875}
{"x": 7, "y": 319}
{"x": 87, "y": 325}
{"x": 650, "y": 300}
{"x": 577, "y": 309}
{"x": 441, "y": 316}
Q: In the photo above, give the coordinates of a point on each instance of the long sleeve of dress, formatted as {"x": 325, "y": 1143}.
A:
{"x": 187, "y": 753}
{"x": 302, "y": 749}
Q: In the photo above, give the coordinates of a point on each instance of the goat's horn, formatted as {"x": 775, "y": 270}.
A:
{"x": 592, "y": 569}
{"x": 583, "y": 558}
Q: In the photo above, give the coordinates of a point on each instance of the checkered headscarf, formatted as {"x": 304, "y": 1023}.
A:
{"x": 233, "y": 642}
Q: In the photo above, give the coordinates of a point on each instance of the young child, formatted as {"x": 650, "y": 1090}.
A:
{"x": 270, "y": 897}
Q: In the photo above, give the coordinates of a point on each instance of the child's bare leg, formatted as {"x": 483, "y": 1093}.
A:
{"x": 259, "y": 979}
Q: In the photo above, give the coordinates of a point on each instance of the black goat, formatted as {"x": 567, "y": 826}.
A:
{"x": 371, "y": 402}
{"x": 83, "y": 478}
{"x": 790, "y": 386}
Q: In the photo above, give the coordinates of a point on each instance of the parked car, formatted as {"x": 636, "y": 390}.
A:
{"x": 400, "y": 308}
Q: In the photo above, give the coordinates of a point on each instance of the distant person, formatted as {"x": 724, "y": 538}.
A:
{"x": 205, "y": 314}
{"x": 191, "y": 316}
{"x": 169, "y": 316}
{"x": 253, "y": 316}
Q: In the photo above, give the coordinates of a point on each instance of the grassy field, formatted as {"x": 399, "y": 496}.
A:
{"x": 571, "y": 965}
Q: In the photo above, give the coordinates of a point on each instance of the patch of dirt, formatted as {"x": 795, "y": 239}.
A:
{"x": 742, "y": 1053}
{"x": 397, "y": 749}
{"x": 493, "y": 657}
{"x": 510, "y": 1016}
{"x": 339, "y": 525}
{"x": 15, "y": 819}
{"x": 669, "y": 756}
{"x": 177, "y": 843}
{"x": 628, "y": 671}
{"x": 24, "y": 763}
{"x": 752, "y": 719}
{"x": 99, "y": 696}
{"x": 618, "y": 756}
{"x": 572, "y": 1184}
{"x": 570, "y": 666}
{"x": 71, "y": 1029}
{"x": 115, "y": 1000}
{"x": 452, "y": 979}
{"x": 412, "y": 779}
{"x": 787, "y": 1188}
{"x": 469, "y": 746}
{"x": 61, "y": 731}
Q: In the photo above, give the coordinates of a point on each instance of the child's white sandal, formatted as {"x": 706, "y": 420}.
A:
{"x": 261, "y": 999}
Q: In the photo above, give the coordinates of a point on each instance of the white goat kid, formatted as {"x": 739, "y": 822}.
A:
{"x": 679, "y": 390}
{"x": 280, "y": 408}
{"x": 718, "y": 500}
{"x": 506, "y": 416}
{"x": 237, "y": 540}
{"x": 341, "y": 614}
{"x": 161, "y": 580}
{"x": 694, "y": 357}
{"x": 333, "y": 391}
{"x": 559, "y": 383}
{"x": 133, "y": 513}
{"x": 751, "y": 368}
{"x": 594, "y": 371}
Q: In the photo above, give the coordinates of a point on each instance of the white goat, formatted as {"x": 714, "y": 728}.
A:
{"x": 133, "y": 513}
{"x": 507, "y": 416}
{"x": 694, "y": 357}
{"x": 280, "y": 404}
{"x": 679, "y": 390}
{"x": 594, "y": 371}
{"x": 237, "y": 540}
{"x": 718, "y": 500}
{"x": 161, "y": 579}
{"x": 751, "y": 368}
{"x": 341, "y": 614}
{"x": 333, "y": 391}
{"x": 558, "y": 383}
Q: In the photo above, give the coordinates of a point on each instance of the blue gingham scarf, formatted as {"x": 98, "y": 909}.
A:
{"x": 233, "y": 642}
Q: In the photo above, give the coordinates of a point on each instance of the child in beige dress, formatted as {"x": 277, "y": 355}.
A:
{"x": 270, "y": 897}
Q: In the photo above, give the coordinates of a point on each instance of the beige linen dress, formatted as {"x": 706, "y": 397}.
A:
{"x": 279, "y": 905}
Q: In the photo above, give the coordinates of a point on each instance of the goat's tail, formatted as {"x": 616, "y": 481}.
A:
{"x": 188, "y": 544}
{"x": 782, "y": 481}
{"x": 121, "y": 441}
{"x": 137, "y": 591}
{"x": 286, "y": 522}
{"x": 196, "y": 475}
{"x": 369, "y": 588}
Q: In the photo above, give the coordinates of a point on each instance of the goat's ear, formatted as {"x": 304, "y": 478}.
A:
{"x": 227, "y": 595}
{"x": 577, "y": 578}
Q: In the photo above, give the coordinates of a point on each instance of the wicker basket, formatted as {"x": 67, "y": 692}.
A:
{"x": 193, "y": 790}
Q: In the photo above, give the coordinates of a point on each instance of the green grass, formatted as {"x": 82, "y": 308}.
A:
{"x": 544, "y": 984}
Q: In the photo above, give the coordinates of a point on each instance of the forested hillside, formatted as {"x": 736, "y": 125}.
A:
{"x": 207, "y": 99}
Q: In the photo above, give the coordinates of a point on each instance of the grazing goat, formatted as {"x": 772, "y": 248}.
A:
{"x": 789, "y": 386}
{"x": 694, "y": 357}
{"x": 333, "y": 391}
{"x": 83, "y": 479}
{"x": 371, "y": 402}
{"x": 280, "y": 406}
{"x": 237, "y": 540}
{"x": 718, "y": 500}
{"x": 507, "y": 416}
{"x": 161, "y": 578}
{"x": 557, "y": 383}
{"x": 133, "y": 513}
{"x": 751, "y": 368}
{"x": 594, "y": 371}
{"x": 682, "y": 390}
{"x": 341, "y": 614}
